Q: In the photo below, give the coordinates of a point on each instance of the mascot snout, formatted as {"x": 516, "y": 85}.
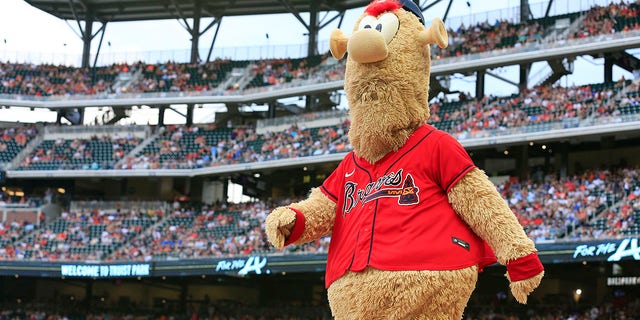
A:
{"x": 366, "y": 46}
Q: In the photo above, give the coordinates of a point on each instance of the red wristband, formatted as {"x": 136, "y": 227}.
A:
{"x": 524, "y": 267}
{"x": 298, "y": 227}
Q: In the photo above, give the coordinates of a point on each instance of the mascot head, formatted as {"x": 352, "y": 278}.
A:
{"x": 387, "y": 74}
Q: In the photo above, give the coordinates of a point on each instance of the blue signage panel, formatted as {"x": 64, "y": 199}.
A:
{"x": 550, "y": 253}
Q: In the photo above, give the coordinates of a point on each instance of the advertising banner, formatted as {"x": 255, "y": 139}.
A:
{"x": 550, "y": 253}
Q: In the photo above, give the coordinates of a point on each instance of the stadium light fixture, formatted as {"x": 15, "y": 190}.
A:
{"x": 577, "y": 294}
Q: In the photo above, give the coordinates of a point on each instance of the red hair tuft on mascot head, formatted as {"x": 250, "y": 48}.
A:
{"x": 375, "y": 8}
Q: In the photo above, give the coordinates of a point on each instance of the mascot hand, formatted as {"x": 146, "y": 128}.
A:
{"x": 524, "y": 274}
{"x": 279, "y": 224}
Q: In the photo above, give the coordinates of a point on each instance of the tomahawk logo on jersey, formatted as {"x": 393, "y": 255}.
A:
{"x": 396, "y": 213}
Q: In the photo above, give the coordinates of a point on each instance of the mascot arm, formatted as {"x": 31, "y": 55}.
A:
{"x": 301, "y": 222}
{"x": 479, "y": 204}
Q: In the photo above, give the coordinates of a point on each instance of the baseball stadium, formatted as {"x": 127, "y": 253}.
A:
{"x": 105, "y": 216}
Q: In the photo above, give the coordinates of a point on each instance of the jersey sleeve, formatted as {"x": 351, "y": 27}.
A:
{"x": 333, "y": 183}
{"x": 452, "y": 160}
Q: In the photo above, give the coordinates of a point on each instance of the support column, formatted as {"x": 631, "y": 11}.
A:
{"x": 607, "y": 143}
{"x": 522, "y": 162}
{"x": 161, "y": 111}
{"x": 608, "y": 69}
{"x": 524, "y": 76}
{"x": 525, "y": 11}
{"x": 195, "y": 31}
{"x": 480, "y": 83}
{"x": 312, "y": 45}
{"x": 189, "y": 120}
{"x": 272, "y": 110}
{"x": 87, "y": 36}
{"x": 564, "y": 158}
{"x": 80, "y": 116}
{"x": 59, "y": 115}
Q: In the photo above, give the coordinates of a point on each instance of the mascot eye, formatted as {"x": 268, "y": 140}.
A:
{"x": 367, "y": 22}
{"x": 388, "y": 25}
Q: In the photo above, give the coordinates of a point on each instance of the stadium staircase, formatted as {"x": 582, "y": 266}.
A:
{"x": 617, "y": 96}
{"x": 601, "y": 222}
{"x": 125, "y": 80}
{"x": 137, "y": 150}
{"x": 559, "y": 69}
{"x": 31, "y": 145}
{"x": 148, "y": 228}
{"x": 91, "y": 137}
{"x": 559, "y": 32}
{"x": 238, "y": 78}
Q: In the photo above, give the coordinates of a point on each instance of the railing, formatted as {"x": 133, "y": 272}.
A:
{"x": 111, "y": 206}
{"x": 96, "y": 130}
{"x": 300, "y": 119}
{"x": 530, "y": 47}
{"x": 318, "y": 79}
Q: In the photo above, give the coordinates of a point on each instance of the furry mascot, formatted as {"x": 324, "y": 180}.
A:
{"x": 412, "y": 220}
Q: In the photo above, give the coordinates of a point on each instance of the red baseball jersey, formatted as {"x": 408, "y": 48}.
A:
{"x": 395, "y": 215}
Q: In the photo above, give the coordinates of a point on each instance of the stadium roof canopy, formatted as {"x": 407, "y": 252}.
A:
{"x": 137, "y": 10}
{"x": 106, "y": 11}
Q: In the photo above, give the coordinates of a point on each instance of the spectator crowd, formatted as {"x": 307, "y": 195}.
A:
{"x": 66, "y": 81}
{"x": 593, "y": 204}
{"x": 186, "y": 147}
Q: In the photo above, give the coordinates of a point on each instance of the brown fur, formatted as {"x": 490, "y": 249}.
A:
{"x": 522, "y": 289}
{"x": 320, "y": 213}
{"x": 479, "y": 204}
{"x": 477, "y": 201}
{"x": 388, "y": 101}
{"x": 400, "y": 295}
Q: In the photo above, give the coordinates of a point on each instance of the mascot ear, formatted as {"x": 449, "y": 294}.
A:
{"x": 338, "y": 44}
{"x": 435, "y": 34}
